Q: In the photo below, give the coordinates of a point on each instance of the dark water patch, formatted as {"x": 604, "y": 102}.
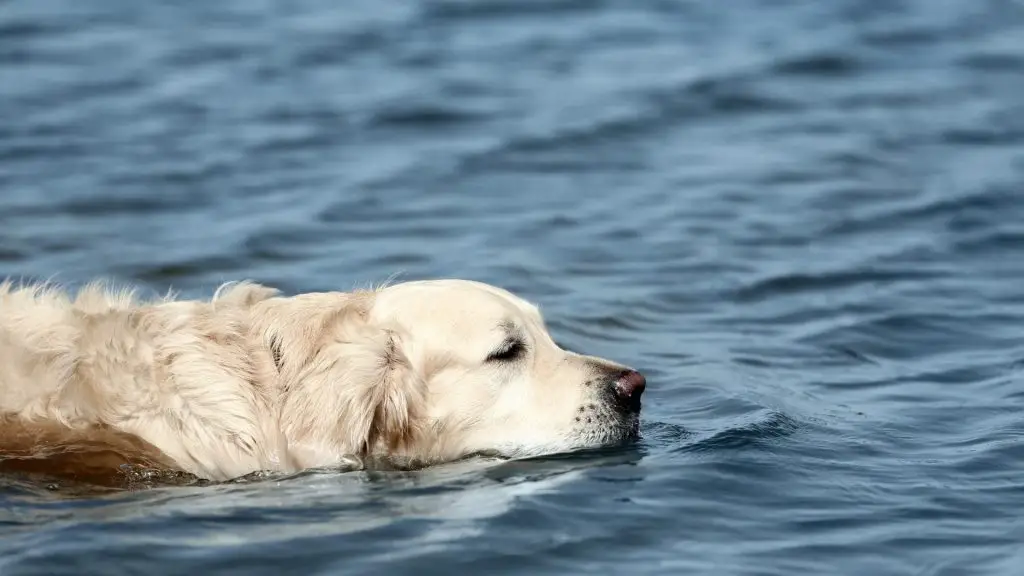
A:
{"x": 937, "y": 209}
{"x": 823, "y": 65}
{"x": 24, "y": 149}
{"x": 997, "y": 133}
{"x": 23, "y": 29}
{"x": 356, "y": 209}
{"x": 207, "y": 54}
{"x": 554, "y": 163}
{"x": 941, "y": 376}
{"x": 726, "y": 97}
{"x": 11, "y": 254}
{"x": 132, "y": 205}
{"x": 172, "y": 181}
{"x": 984, "y": 243}
{"x": 339, "y": 48}
{"x": 283, "y": 244}
{"x": 468, "y": 10}
{"x": 902, "y": 335}
{"x": 886, "y": 99}
{"x": 797, "y": 283}
{"x": 536, "y": 152}
{"x": 169, "y": 272}
{"x": 993, "y": 62}
{"x": 373, "y": 209}
{"x": 800, "y": 353}
{"x": 275, "y": 144}
{"x": 86, "y": 91}
{"x": 107, "y": 206}
{"x": 903, "y": 35}
{"x": 425, "y": 116}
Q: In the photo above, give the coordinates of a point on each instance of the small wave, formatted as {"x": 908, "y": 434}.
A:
{"x": 338, "y": 49}
{"x": 775, "y": 425}
{"x": 500, "y": 9}
{"x": 909, "y": 334}
{"x": 12, "y": 254}
{"x": 940, "y": 208}
{"x": 1001, "y": 241}
{"x": 1001, "y": 129}
{"x": 797, "y": 283}
{"x": 207, "y": 54}
{"x": 993, "y": 62}
{"x": 821, "y": 64}
{"x": 164, "y": 273}
{"x": 424, "y": 116}
{"x": 599, "y": 144}
{"x": 665, "y": 433}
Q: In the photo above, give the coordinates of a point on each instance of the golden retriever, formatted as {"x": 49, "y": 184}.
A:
{"x": 419, "y": 372}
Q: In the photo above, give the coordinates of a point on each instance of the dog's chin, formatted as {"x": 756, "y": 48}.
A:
{"x": 627, "y": 431}
{"x": 610, "y": 428}
{"x": 621, "y": 432}
{"x": 632, "y": 427}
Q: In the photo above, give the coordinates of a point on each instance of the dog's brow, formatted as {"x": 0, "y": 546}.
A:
{"x": 512, "y": 332}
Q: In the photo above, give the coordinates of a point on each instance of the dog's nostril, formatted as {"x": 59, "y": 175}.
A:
{"x": 629, "y": 387}
{"x": 630, "y": 383}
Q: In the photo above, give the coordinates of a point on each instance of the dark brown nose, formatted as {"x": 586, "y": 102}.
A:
{"x": 629, "y": 387}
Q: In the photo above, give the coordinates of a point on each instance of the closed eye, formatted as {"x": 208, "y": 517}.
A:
{"x": 508, "y": 351}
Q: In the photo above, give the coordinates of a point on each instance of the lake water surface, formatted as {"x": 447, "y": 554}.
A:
{"x": 804, "y": 221}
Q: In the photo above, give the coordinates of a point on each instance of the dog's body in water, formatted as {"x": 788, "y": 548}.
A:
{"x": 419, "y": 372}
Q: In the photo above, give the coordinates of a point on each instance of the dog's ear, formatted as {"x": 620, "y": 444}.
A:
{"x": 380, "y": 389}
{"x": 356, "y": 391}
{"x": 291, "y": 330}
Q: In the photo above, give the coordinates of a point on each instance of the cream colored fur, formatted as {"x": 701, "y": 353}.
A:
{"x": 252, "y": 380}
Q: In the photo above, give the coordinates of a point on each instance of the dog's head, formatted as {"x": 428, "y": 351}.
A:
{"x": 435, "y": 370}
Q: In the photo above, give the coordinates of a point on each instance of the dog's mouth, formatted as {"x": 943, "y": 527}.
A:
{"x": 628, "y": 429}
{"x": 634, "y": 428}
{"x": 609, "y": 426}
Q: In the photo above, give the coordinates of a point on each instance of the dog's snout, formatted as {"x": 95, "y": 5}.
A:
{"x": 629, "y": 387}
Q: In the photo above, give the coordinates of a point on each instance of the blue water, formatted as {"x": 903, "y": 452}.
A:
{"x": 803, "y": 220}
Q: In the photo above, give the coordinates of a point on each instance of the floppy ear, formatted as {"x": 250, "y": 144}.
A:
{"x": 356, "y": 392}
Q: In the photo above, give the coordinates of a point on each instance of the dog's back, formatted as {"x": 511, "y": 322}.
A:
{"x": 43, "y": 334}
{"x": 186, "y": 376}
{"x": 38, "y": 332}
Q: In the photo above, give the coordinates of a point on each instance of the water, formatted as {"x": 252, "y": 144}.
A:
{"x": 804, "y": 221}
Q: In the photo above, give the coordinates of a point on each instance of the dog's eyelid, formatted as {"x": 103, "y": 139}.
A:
{"x": 510, "y": 349}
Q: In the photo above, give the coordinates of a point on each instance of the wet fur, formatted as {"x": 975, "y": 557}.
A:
{"x": 248, "y": 380}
